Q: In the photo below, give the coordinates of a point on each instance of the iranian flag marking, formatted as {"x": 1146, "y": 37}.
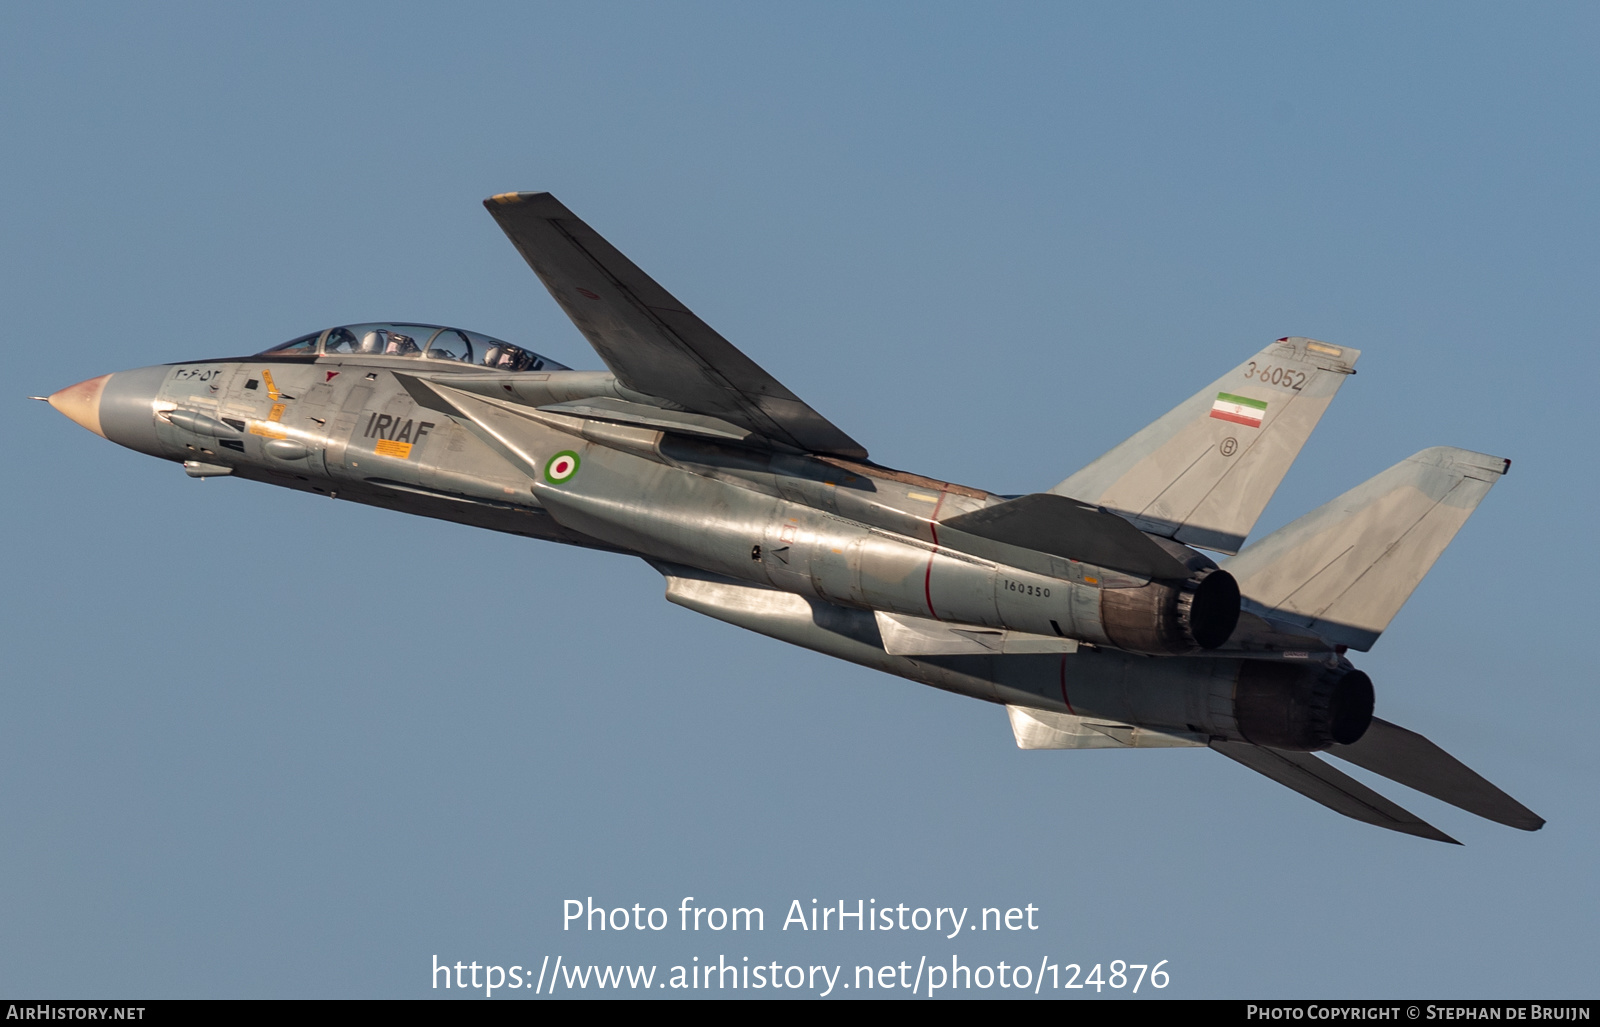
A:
{"x": 561, "y": 467}
{"x": 1238, "y": 409}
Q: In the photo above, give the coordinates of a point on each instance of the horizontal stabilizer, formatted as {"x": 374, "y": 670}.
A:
{"x": 1072, "y": 530}
{"x": 1344, "y": 570}
{"x": 1407, "y": 758}
{"x": 1334, "y": 789}
{"x": 1203, "y": 473}
{"x": 919, "y": 636}
{"x": 647, "y": 337}
{"x": 1041, "y": 729}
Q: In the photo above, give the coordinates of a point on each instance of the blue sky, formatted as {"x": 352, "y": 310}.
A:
{"x": 258, "y": 744}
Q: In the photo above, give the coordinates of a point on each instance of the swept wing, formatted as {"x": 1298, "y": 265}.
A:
{"x": 652, "y": 342}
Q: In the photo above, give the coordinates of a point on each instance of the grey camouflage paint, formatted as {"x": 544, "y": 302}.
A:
{"x": 1080, "y": 610}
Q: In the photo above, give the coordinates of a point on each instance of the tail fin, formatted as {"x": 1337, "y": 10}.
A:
{"x": 1345, "y": 569}
{"x": 1203, "y": 473}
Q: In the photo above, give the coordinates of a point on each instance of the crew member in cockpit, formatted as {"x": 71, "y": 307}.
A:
{"x": 340, "y": 340}
{"x": 400, "y": 345}
{"x": 505, "y": 357}
{"x": 500, "y": 356}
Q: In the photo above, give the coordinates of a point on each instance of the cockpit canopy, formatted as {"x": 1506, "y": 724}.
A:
{"x": 430, "y": 342}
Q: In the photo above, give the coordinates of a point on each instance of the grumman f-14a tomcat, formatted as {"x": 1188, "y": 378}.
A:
{"x": 1091, "y": 611}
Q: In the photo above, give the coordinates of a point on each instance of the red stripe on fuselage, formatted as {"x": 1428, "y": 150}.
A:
{"x": 1064, "y": 685}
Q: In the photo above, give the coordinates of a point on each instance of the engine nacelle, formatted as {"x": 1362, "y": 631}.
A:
{"x": 1201, "y": 613}
{"x": 1289, "y": 706}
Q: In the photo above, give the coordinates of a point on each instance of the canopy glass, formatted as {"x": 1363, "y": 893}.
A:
{"x": 429, "y": 342}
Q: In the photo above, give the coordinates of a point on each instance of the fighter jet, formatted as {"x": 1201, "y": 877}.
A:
{"x": 1091, "y": 611}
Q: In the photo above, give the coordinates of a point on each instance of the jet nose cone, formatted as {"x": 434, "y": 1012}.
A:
{"x": 81, "y": 402}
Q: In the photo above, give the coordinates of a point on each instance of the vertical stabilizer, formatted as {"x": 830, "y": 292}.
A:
{"x": 1203, "y": 473}
{"x": 1345, "y": 569}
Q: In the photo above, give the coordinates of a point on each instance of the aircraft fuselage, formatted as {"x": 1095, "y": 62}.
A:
{"x": 851, "y": 538}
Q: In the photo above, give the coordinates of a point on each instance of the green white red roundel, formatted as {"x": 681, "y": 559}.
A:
{"x": 561, "y": 467}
